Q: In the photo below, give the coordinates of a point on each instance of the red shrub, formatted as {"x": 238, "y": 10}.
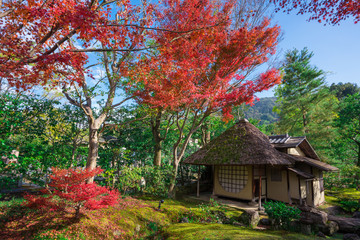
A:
{"x": 68, "y": 189}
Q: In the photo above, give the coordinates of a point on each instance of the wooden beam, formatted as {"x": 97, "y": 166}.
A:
{"x": 253, "y": 184}
{"x": 198, "y": 183}
{"x": 260, "y": 192}
{"x": 288, "y": 185}
{"x": 213, "y": 174}
{"x": 312, "y": 188}
{"x": 266, "y": 183}
{"x": 300, "y": 197}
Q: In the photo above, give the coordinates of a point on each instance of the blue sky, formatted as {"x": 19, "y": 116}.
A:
{"x": 336, "y": 48}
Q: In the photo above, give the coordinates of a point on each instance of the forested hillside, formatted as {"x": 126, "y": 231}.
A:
{"x": 263, "y": 110}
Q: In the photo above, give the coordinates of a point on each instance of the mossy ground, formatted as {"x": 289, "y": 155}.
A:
{"x": 191, "y": 231}
{"x": 333, "y": 196}
{"x": 131, "y": 219}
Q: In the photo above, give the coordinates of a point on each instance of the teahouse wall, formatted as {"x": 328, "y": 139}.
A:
{"x": 295, "y": 151}
{"x": 277, "y": 190}
{"x": 319, "y": 196}
{"x": 245, "y": 193}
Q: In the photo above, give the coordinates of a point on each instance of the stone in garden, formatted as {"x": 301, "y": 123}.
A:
{"x": 311, "y": 215}
{"x": 320, "y": 234}
{"x": 356, "y": 215}
{"x": 305, "y": 229}
{"x": 250, "y": 218}
{"x": 330, "y": 228}
{"x": 346, "y": 225}
{"x": 295, "y": 226}
{"x": 265, "y": 221}
{"x": 238, "y": 224}
{"x": 351, "y": 236}
{"x": 335, "y": 210}
{"x": 184, "y": 220}
{"x": 138, "y": 228}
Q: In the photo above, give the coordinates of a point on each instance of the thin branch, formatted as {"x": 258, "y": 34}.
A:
{"x": 71, "y": 100}
{"x": 113, "y": 49}
{"x": 118, "y": 104}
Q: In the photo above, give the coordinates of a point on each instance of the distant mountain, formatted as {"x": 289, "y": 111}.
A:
{"x": 262, "y": 110}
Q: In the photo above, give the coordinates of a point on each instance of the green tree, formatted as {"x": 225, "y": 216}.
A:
{"x": 342, "y": 90}
{"x": 305, "y": 104}
{"x": 348, "y": 124}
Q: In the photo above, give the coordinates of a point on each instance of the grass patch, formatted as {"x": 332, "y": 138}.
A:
{"x": 190, "y": 231}
{"x": 333, "y": 196}
{"x": 131, "y": 219}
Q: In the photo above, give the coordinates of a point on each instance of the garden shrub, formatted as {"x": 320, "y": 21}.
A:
{"x": 129, "y": 180}
{"x": 157, "y": 180}
{"x": 350, "y": 205}
{"x": 68, "y": 189}
{"x": 281, "y": 214}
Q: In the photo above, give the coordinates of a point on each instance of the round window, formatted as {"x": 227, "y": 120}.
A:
{"x": 233, "y": 178}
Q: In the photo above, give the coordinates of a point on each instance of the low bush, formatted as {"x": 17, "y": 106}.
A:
{"x": 350, "y": 205}
{"x": 281, "y": 214}
{"x": 68, "y": 189}
{"x": 130, "y": 180}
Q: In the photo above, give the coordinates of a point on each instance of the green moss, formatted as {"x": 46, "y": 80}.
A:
{"x": 188, "y": 231}
{"x": 333, "y": 196}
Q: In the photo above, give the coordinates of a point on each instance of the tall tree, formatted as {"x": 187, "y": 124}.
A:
{"x": 305, "y": 104}
{"x": 205, "y": 71}
{"x": 342, "y": 90}
{"x": 122, "y": 53}
{"x": 330, "y": 11}
{"x": 49, "y": 42}
{"x": 348, "y": 123}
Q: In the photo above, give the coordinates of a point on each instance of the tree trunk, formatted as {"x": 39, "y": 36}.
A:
{"x": 173, "y": 179}
{"x": 157, "y": 153}
{"x": 74, "y": 148}
{"x": 93, "y": 150}
{"x": 304, "y": 122}
{"x": 155, "y": 127}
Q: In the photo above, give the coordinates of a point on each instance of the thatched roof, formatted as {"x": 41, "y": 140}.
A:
{"x": 242, "y": 144}
{"x": 315, "y": 163}
{"x": 286, "y": 141}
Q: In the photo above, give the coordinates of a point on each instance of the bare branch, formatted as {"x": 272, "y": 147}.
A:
{"x": 113, "y": 49}
{"x": 120, "y": 103}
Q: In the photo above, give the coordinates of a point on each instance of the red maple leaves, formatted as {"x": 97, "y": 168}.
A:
{"x": 201, "y": 69}
{"x": 330, "y": 11}
{"x": 68, "y": 189}
{"x": 42, "y": 41}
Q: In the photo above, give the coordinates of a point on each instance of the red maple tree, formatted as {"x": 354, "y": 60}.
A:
{"x": 67, "y": 188}
{"x": 39, "y": 38}
{"x": 203, "y": 67}
{"x": 203, "y": 71}
{"x": 330, "y": 11}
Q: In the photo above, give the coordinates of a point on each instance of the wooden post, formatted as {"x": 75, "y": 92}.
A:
{"x": 300, "y": 197}
{"x": 260, "y": 192}
{"x": 253, "y": 184}
{"x": 266, "y": 183}
{"x": 288, "y": 185}
{"x": 213, "y": 174}
{"x": 198, "y": 184}
{"x": 312, "y": 188}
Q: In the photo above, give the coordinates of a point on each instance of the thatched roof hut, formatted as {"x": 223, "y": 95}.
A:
{"x": 242, "y": 144}
{"x": 249, "y": 165}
